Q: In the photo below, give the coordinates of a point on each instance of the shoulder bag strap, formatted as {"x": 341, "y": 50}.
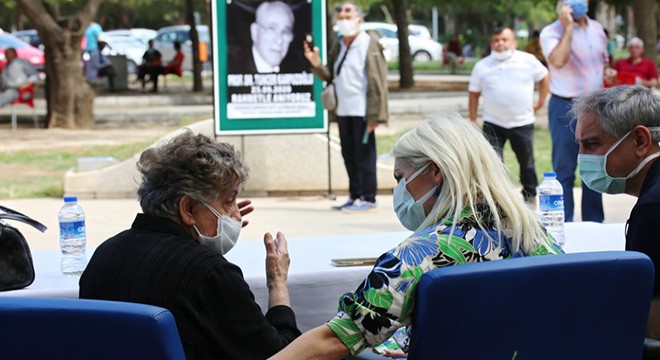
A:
{"x": 15, "y": 215}
{"x": 343, "y": 58}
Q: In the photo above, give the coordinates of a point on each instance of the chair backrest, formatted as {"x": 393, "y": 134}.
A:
{"x": 576, "y": 306}
{"x": 25, "y": 96}
{"x": 46, "y": 328}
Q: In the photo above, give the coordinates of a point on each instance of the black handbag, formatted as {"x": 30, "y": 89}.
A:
{"x": 16, "y": 268}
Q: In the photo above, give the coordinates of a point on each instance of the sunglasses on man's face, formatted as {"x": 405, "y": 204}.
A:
{"x": 346, "y": 9}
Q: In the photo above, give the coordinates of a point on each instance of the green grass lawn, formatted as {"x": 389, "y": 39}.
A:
{"x": 436, "y": 66}
{"x": 40, "y": 173}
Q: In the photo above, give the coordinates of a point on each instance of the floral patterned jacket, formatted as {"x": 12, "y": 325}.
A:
{"x": 385, "y": 300}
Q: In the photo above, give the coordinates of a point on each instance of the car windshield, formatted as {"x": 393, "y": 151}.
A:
{"x": 388, "y": 33}
{"x": 9, "y": 41}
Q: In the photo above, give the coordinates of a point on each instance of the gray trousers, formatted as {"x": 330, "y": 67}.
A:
{"x": 7, "y": 96}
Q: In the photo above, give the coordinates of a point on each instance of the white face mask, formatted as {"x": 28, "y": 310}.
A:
{"x": 346, "y": 27}
{"x": 227, "y": 232}
{"x": 501, "y": 55}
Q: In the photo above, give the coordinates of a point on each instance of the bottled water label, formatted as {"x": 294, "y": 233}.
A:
{"x": 551, "y": 203}
{"x": 72, "y": 230}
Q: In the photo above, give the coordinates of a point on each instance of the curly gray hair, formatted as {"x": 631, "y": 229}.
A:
{"x": 188, "y": 164}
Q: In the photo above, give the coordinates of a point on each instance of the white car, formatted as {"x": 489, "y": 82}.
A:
{"x": 144, "y": 35}
{"x": 422, "y": 47}
{"x": 128, "y": 46}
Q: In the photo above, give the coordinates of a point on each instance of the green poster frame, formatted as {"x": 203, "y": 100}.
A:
{"x": 271, "y": 125}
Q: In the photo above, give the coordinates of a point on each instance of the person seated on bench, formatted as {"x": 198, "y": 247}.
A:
{"x": 151, "y": 65}
{"x": 175, "y": 66}
{"x": 17, "y": 75}
{"x": 99, "y": 66}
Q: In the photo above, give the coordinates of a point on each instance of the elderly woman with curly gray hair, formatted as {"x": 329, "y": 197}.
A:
{"x": 173, "y": 254}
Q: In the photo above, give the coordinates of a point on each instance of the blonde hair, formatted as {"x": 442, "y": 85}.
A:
{"x": 472, "y": 174}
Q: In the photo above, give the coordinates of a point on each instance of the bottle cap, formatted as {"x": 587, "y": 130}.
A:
{"x": 70, "y": 199}
{"x": 550, "y": 174}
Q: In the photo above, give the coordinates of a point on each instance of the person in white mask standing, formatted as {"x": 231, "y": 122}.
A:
{"x": 454, "y": 193}
{"x": 506, "y": 80}
{"x": 357, "y": 68}
{"x": 618, "y": 130}
{"x": 173, "y": 254}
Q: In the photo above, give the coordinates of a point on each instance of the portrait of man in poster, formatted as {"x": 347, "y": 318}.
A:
{"x": 263, "y": 36}
{"x": 267, "y": 73}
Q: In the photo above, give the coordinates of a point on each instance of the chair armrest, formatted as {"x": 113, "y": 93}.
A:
{"x": 651, "y": 349}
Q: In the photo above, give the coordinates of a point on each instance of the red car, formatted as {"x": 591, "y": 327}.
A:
{"x": 23, "y": 49}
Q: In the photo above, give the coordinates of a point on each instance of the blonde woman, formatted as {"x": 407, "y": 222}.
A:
{"x": 453, "y": 191}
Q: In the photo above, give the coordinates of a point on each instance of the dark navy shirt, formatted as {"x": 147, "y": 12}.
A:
{"x": 642, "y": 228}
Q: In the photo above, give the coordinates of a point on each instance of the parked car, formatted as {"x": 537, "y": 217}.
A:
{"x": 164, "y": 42}
{"x": 30, "y": 36}
{"x": 128, "y": 46}
{"x": 420, "y": 31}
{"x": 141, "y": 34}
{"x": 422, "y": 48}
{"x": 23, "y": 50}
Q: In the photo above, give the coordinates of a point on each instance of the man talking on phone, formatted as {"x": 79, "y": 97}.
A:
{"x": 357, "y": 68}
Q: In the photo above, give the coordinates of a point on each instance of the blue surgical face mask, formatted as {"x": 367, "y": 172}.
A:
{"x": 410, "y": 212}
{"x": 593, "y": 170}
{"x": 579, "y": 7}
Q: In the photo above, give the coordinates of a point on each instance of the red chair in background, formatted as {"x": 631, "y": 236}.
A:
{"x": 25, "y": 97}
{"x": 622, "y": 78}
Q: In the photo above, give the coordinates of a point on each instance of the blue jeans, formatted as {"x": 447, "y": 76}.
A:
{"x": 564, "y": 161}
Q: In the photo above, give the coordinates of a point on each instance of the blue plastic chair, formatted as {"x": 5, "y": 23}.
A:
{"x": 575, "y": 306}
{"x": 46, "y": 328}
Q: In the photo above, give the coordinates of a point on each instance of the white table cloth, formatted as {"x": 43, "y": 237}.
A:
{"x": 314, "y": 284}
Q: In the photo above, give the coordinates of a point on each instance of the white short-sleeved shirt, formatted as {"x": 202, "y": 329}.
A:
{"x": 351, "y": 83}
{"x": 583, "y": 73}
{"x": 507, "y": 88}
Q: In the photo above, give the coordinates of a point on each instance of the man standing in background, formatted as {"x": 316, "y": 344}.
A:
{"x": 357, "y": 68}
{"x": 575, "y": 48}
{"x": 506, "y": 78}
{"x": 92, "y": 37}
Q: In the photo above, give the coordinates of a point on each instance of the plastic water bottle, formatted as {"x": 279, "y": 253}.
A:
{"x": 551, "y": 206}
{"x": 73, "y": 237}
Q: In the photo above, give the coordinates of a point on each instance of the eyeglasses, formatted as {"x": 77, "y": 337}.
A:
{"x": 274, "y": 31}
{"x": 346, "y": 9}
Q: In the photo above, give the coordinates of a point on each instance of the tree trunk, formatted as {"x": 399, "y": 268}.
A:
{"x": 69, "y": 99}
{"x": 406, "y": 80}
{"x": 645, "y": 24}
{"x": 329, "y": 33}
{"x": 194, "y": 38}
